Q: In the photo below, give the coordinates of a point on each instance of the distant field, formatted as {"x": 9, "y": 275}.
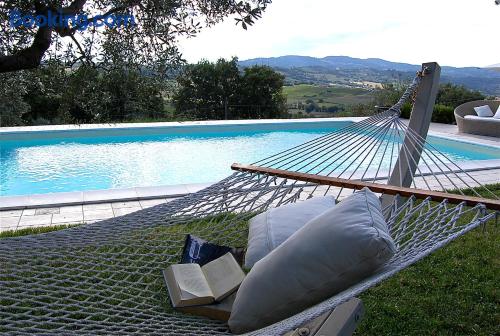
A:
{"x": 327, "y": 95}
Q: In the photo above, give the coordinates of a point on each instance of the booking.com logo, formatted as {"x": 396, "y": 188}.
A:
{"x": 60, "y": 20}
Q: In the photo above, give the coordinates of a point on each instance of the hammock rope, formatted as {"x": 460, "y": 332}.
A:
{"x": 105, "y": 278}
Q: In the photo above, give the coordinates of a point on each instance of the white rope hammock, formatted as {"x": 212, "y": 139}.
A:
{"x": 105, "y": 278}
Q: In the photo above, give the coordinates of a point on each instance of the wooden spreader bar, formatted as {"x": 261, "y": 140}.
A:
{"x": 375, "y": 187}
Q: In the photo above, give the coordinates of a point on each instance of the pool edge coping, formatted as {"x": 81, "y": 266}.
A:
{"x": 447, "y": 136}
{"x": 61, "y": 199}
{"x": 158, "y": 125}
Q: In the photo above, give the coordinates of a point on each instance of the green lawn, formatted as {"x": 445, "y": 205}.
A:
{"x": 452, "y": 292}
{"x": 326, "y": 95}
{"x": 31, "y": 231}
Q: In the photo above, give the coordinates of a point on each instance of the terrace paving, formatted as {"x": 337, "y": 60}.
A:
{"x": 71, "y": 215}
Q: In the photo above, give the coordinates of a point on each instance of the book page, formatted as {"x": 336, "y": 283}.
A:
{"x": 223, "y": 275}
{"x": 190, "y": 279}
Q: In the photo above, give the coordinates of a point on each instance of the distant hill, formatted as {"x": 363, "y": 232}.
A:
{"x": 494, "y": 67}
{"x": 349, "y": 71}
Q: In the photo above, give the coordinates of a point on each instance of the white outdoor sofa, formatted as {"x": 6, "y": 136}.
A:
{"x": 469, "y": 122}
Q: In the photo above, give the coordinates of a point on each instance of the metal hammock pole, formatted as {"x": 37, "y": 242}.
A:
{"x": 404, "y": 170}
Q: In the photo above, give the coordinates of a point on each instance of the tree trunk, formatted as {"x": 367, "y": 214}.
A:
{"x": 226, "y": 114}
{"x": 30, "y": 57}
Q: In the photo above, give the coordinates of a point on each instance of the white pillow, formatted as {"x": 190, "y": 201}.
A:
{"x": 497, "y": 114}
{"x": 329, "y": 254}
{"x": 271, "y": 228}
{"x": 483, "y": 111}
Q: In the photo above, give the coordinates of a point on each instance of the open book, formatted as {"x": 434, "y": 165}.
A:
{"x": 218, "y": 311}
{"x": 192, "y": 284}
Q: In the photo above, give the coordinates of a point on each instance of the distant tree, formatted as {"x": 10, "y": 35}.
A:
{"x": 361, "y": 110}
{"x": 55, "y": 94}
{"x": 84, "y": 100}
{"x": 45, "y": 90}
{"x": 443, "y": 114}
{"x": 206, "y": 89}
{"x": 116, "y": 95}
{"x": 389, "y": 94}
{"x": 130, "y": 95}
{"x": 448, "y": 98}
{"x": 332, "y": 109}
{"x": 12, "y": 104}
{"x": 454, "y": 95}
{"x": 209, "y": 90}
{"x": 263, "y": 87}
{"x": 311, "y": 107}
{"x": 229, "y": 83}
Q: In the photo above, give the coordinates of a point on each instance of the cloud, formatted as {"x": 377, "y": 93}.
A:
{"x": 451, "y": 32}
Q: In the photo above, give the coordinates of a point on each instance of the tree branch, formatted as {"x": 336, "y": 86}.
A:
{"x": 75, "y": 7}
{"x": 174, "y": 18}
{"x": 82, "y": 52}
{"x": 66, "y": 31}
{"x": 30, "y": 57}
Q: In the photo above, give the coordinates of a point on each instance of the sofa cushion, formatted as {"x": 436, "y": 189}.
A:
{"x": 485, "y": 119}
{"x": 497, "y": 114}
{"x": 271, "y": 228}
{"x": 483, "y": 111}
{"x": 332, "y": 252}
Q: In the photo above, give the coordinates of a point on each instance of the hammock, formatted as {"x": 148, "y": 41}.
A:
{"x": 105, "y": 278}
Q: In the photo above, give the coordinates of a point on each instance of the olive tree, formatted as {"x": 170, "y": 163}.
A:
{"x": 13, "y": 87}
{"x": 92, "y": 32}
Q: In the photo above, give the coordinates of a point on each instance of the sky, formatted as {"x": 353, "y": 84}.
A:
{"x": 452, "y": 32}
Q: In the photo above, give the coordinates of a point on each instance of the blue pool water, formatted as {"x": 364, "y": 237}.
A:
{"x": 61, "y": 164}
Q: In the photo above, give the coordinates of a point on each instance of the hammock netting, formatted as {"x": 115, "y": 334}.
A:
{"x": 105, "y": 278}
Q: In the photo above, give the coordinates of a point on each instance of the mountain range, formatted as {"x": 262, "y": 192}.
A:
{"x": 349, "y": 71}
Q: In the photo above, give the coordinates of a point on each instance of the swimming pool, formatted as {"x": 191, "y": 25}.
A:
{"x": 48, "y": 162}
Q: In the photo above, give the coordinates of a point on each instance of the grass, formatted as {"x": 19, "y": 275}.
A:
{"x": 33, "y": 231}
{"x": 452, "y": 292}
{"x": 327, "y": 95}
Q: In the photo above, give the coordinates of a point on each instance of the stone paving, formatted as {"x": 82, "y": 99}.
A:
{"x": 71, "y": 215}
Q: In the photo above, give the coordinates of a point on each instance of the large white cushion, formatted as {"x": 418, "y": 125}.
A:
{"x": 271, "y": 228}
{"x": 483, "y": 111}
{"x": 486, "y": 119}
{"x": 497, "y": 114}
{"x": 332, "y": 252}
